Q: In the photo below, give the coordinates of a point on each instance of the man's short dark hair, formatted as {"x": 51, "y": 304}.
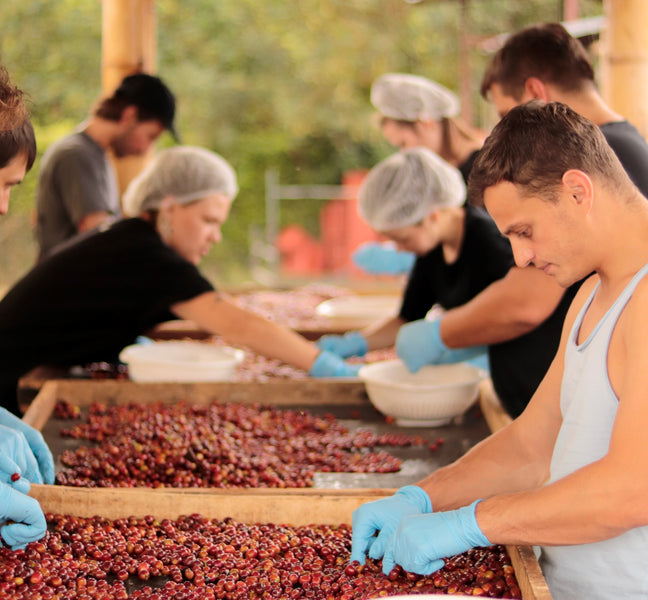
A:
{"x": 545, "y": 51}
{"x": 149, "y": 94}
{"x": 18, "y": 141}
{"x": 535, "y": 144}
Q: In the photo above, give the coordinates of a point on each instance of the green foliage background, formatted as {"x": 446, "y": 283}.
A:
{"x": 280, "y": 84}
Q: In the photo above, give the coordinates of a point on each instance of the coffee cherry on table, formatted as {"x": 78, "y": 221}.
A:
{"x": 219, "y": 445}
{"x": 193, "y": 557}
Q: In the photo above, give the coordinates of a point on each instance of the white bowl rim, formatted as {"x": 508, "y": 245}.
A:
{"x": 480, "y": 374}
{"x": 137, "y": 352}
{"x": 328, "y": 308}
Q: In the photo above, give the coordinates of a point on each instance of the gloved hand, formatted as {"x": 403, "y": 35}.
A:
{"x": 381, "y": 259}
{"x": 28, "y": 519}
{"x": 383, "y": 516}
{"x": 421, "y": 541}
{"x": 17, "y": 457}
{"x": 349, "y": 344}
{"x": 330, "y": 365}
{"x": 36, "y": 443}
{"x": 419, "y": 343}
{"x": 8, "y": 469}
{"x": 475, "y": 355}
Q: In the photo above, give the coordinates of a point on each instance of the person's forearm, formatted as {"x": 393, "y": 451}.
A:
{"x": 488, "y": 469}
{"x": 214, "y": 312}
{"x": 505, "y": 310}
{"x": 515, "y": 458}
{"x": 383, "y": 334}
{"x": 595, "y": 503}
{"x": 273, "y": 341}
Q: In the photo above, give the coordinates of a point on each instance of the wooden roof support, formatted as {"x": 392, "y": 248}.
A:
{"x": 624, "y": 60}
{"x": 129, "y": 45}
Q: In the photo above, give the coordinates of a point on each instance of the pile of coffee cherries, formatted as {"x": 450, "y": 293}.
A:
{"x": 218, "y": 445}
{"x": 292, "y": 308}
{"x": 195, "y": 558}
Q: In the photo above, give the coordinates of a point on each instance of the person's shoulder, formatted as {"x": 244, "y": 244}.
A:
{"x": 76, "y": 146}
{"x": 622, "y": 132}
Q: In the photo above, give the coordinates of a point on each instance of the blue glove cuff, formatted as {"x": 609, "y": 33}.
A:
{"x": 328, "y": 364}
{"x": 357, "y": 342}
{"x": 435, "y": 330}
{"x": 416, "y": 496}
{"x": 472, "y": 531}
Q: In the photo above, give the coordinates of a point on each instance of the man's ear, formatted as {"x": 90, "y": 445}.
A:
{"x": 129, "y": 115}
{"x": 536, "y": 89}
{"x": 580, "y": 188}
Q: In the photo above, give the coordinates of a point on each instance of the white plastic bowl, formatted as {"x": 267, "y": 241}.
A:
{"x": 433, "y": 396}
{"x": 180, "y": 361}
{"x": 358, "y": 311}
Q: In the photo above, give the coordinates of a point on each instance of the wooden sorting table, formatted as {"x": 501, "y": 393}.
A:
{"x": 181, "y": 329}
{"x": 290, "y": 507}
{"x": 334, "y": 496}
{"x": 346, "y": 399}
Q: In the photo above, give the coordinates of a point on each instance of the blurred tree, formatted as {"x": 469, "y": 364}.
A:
{"x": 278, "y": 84}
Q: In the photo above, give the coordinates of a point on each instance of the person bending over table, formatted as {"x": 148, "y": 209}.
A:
{"x": 94, "y": 296}
{"x": 463, "y": 263}
{"x": 570, "y": 474}
{"x": 415, "y": 112}
{"x": 24, "y": 455}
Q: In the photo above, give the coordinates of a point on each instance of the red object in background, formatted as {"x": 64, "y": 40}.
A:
{"x": 342, "y": 231}
{"x": 301, "y": 253}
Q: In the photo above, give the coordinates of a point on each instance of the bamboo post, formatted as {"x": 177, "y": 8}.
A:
{"x": 128, "y": 46}
{"x": 624, "y": 60}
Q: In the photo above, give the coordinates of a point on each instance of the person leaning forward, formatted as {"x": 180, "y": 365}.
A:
{"x": 77, "y": 185}
{"x": 106, "y": 287}
{"x": 540, "y": 62}
{"x": 570, "y": 474}
{"x": 24, "y": 456}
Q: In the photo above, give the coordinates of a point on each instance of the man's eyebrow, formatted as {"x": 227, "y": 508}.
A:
{"x": 511, "y": 228}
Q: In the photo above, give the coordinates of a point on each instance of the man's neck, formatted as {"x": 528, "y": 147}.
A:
{"x": 589, "y": 104}
{"x": 101, "y": 131}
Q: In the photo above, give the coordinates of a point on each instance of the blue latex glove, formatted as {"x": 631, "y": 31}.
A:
{"x": 422, "y": 541}
{"x": 17, "y": 457}
{"x": 7, "y": 468}
{"x": 383, "y": 516}
{"x": 328, "y": 364}
{"x": 380, "y": 259}
{"x": 28, "y": 519}
{"x": 36, "y": 443}
{"x": 349, "y": 344}
{"x": 419, "y": 343}
{"x": 475, "y": 355}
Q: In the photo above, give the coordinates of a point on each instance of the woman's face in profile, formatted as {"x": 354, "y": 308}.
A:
{"x": 192, "y": 229}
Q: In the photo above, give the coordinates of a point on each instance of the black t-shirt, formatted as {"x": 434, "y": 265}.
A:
{"x": 466, "y": 166}
{"x": 485, "y": 256}
{"x": 519, "y": 365}
{"x": 91, "y": 299}
{"x": 631, "y": 150}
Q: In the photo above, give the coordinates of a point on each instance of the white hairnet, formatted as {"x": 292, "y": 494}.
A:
{"x": 406, "y": 187}
{"x": 412, "y": 98}
{"x": 187, "y": 173}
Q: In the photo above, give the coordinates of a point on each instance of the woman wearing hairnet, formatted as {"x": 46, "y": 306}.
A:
{"x": 415, "y": 111}
{"x": 466, "y": 266}
{"x": 417, "y": 200}
{"x": 88, "y": 301}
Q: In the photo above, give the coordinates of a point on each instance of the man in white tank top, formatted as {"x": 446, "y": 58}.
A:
{"x": 571, "y": 473}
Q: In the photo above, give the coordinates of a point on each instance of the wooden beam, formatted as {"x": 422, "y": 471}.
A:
{"x": 624, "y": 60}
{"x": 128, "y": 46}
